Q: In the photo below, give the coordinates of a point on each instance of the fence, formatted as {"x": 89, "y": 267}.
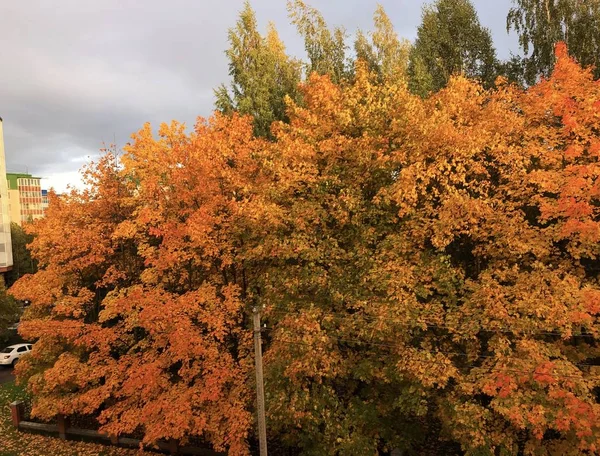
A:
{"x": 64, "y": 430}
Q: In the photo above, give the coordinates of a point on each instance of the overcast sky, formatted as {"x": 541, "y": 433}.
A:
{"x": 79, "y": 73}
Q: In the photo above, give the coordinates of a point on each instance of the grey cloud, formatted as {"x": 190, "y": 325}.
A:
{"x": 78, "y": 73}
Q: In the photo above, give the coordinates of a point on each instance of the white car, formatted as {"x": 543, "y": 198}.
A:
{"x": 10, "y": 355}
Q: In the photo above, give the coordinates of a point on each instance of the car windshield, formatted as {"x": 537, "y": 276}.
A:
{"x": 7, "y": 350}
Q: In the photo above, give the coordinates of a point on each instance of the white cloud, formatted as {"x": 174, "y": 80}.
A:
{"x": 61, "y": 181}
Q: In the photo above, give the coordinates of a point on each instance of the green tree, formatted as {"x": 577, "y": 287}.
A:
{"x": 513, "y": 70}
{"x": 22, "y": 261}
{"x": 326, "y": 49}
{"x": 385, "y": 53}
{"x": 450, "y": 40}
{"x": 9, "y": 310}
{"x": 262, "y": 74}
{"x": 540, "y": 24}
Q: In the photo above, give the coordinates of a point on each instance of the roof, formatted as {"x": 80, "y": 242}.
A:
{"x": 13, "y": 177}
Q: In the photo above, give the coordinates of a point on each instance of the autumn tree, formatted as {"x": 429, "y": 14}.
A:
{"x": 518, "y": 320}
{"x": 384, "y": 52}
{"x": 139, "y": 303}
{"x": 450, "y": 40}
{"x": 427, "y": 269}
{"x": 326, "y": 48}
{"x": 445, "y": 284}
{"x": 541, "y": 24}
{"x": 324, "y": 397}
{"x": 262, "y": 74}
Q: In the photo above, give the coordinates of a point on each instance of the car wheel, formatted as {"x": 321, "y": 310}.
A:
{"x": 14, "y": 362}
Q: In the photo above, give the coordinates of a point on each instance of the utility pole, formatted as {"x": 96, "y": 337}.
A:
{"x": 260, "y": 388}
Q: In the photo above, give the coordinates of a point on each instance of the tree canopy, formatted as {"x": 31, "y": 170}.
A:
{"x": 9, "y": 311}
{"x": 385, "y": 53}
{"x": 22, "y": 261}
{"x": 262, "y": 74}
{"x": 450, "y": 40}
{"x": 427, "y": 266}
{"x": 541, "y": 24}
{"x": 326, "y": 48}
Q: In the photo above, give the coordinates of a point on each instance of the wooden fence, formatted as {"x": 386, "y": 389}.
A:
{"x": 64, "y": 430}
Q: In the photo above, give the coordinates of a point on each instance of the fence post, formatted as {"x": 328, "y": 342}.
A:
{"x": 63, "y": 424}
{"x": 17, "y": 410}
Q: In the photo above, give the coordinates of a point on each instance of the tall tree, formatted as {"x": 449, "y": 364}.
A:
{"x": 542, "y": 23}
{"x": 428, "y": 269}
{"x": 450, "y": 40}
{"x": 9, "y": 311}
{"x": 385, "y": 53}
{"x": 155, "y": 241}
{"x": 262, "y": 74}
{"x": 23, "y": 263}
{"x": 513, "y": 69}
{"x": 448, "y": 275}
{"x": 326, "y": 49}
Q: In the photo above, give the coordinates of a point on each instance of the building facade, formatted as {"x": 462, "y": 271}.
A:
{"x": 6, "y": 258}
{"x": 25, "y": 197}
{"x": 45, "y": 200}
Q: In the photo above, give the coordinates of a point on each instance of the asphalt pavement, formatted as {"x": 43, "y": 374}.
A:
{"x": 6, "y": 374}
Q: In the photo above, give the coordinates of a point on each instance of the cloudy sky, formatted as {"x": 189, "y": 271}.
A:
{"x": 77, "y": 74}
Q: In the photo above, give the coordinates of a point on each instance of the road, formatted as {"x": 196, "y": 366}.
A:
{"x": 6, "y": 374}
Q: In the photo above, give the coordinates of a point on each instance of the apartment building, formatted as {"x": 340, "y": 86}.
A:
{"x": 26, "y": 201}
{"x": 6, "y": 258}
{"x": 45, "y": 200}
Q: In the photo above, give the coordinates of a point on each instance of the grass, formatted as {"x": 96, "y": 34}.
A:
{"x": 15, "y": 443}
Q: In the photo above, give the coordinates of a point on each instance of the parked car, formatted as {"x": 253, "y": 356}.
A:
{"x": 10, "y": 355}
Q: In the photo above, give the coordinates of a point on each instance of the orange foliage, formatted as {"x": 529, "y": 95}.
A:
{"x": 420, "y": 261}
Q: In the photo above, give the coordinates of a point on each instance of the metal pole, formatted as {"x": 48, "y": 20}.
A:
{"x": 260, "y": 389}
